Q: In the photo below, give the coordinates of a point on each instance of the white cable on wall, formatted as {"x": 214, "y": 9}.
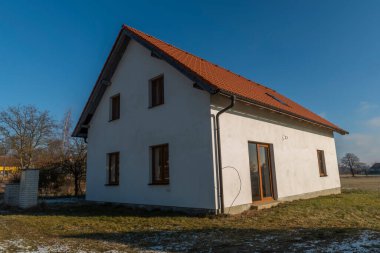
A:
{"x": 237, "y": 195}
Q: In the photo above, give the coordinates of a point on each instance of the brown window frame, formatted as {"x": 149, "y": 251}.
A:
{"x": 321, "y": 163}
{"x": 115, "y": 107}
{"x": 165, "y": 169}
{"x": 153, "y": 100}
{"x": 117, "y": 168}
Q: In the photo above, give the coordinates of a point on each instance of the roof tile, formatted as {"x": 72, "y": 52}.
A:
{"x": 230, "y": 82}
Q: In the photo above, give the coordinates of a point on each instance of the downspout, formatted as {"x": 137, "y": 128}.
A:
{"x": 219, "y": 152}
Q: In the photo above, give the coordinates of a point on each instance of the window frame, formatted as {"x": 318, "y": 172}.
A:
{"x": 111, "y": 115}
{"x": 117, "y": 169}
{"x": 277, "y": 99}
{"x": 152, "y": 100}
{"x": 271, "y": 171}
{"x": 162, "y": 180}
{"x": 321, "y": 163}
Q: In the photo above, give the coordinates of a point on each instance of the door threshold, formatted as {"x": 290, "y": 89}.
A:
{"x": 259, "y": 205}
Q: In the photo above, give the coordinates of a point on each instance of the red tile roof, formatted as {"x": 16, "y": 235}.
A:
{"x": 232, "y": 83}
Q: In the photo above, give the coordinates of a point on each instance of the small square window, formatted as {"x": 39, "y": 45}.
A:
{"x": 115, "y": 107}
{"x": 321, "y": 163}
{"x": 160, "y": 164}
{"x": 157, "y": 91}
{"x": 113, "y": 168}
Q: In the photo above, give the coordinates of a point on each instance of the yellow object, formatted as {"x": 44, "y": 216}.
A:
{"x": 8, "y": 169}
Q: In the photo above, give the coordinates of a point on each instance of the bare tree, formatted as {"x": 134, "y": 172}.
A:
{"x": 351, "y": 161}
{"x": 25, "y": 130}
{"x": 74, "y": 154}
{"x": 74, "y": 161}
{"x": 364, "y": 168}
{"x": 3, "y": 149}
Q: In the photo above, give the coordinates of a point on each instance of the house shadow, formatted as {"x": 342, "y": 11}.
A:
{"x": 94, "y": 209}
{"x": 228, "y": 239}
{"x": 216, "y": 237}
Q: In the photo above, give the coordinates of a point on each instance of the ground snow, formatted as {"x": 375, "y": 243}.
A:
{"x": 366, "y": 241}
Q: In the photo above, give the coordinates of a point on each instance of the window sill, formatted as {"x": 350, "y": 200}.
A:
{"x": 322, "y": 175}
{"x": 111, "y": 120}
{"x": 111, "y": 184}
{"x": 163, "y": 183}
{"x": 154, "y": 106}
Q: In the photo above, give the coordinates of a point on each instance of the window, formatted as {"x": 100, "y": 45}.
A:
{"x": 157, "y": 91}
{"x": 321, "y": 163}
{"x": 115, "y": 107}
{"x": 160, "y": 164}
{"x": 113, "y": 168}
{"x": 277, "y": 99}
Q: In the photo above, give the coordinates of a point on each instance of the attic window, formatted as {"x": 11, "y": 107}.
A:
{"x": 277, "y": 99}
{"x": 157, "y": 91}
{"x": 115, "y": 107}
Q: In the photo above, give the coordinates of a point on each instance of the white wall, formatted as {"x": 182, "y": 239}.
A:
{"x": 183, "y": 122}
{"x": 295, "y": 147}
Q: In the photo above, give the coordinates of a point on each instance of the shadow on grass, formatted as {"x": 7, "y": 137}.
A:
{"x": 93, "y": 209}
{"x": 347, "y": 200}
{"x": 228, "y": 240}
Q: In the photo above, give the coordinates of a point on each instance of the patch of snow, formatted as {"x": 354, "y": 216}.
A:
{"x": 15, "y": 243}
{"x": 366, "y": 242}
{"x": 54, "y": 248}
{"x": 20, "y": 245}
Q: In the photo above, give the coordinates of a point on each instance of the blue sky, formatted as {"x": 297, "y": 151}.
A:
{"x": 323, "y": 54}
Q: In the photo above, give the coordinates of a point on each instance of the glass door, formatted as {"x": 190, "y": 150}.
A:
{"x": 261, "y": 172}
{"x": 254, "y": 170}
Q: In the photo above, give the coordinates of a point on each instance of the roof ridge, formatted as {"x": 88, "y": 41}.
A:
{"x": 197, "y": 69}
{"x": 186, "y": 52}
{"x": 231, "y": 82}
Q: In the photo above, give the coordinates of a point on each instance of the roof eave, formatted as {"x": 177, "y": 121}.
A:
{"x": 126, "y": 33}
{"x": 174, "y": 63}
{"x": 102, "y": 82}
{"x": 113, "y": 59}
{"x": 265, "y": 106}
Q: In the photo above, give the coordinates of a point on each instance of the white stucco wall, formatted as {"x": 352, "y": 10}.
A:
{"x": 295, "y": 146}
{"x": 185, "y": 123}
{"x": 182, "y": 122}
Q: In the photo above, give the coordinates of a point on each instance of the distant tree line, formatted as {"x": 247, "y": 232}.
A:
{"x": 32, "y": 138}
{"x": 350, "y": 163}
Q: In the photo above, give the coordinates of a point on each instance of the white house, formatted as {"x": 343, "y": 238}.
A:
{"x": 168, "y": 129}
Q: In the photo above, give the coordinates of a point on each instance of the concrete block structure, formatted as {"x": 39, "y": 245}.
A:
{"x": 28, "y": 188}
{"x": 11, "y": 194}
{"x": 25, "y": 193}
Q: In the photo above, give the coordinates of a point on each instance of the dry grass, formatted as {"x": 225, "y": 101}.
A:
{"x": 296, "y": 226}
{"x": 370, "y": 183}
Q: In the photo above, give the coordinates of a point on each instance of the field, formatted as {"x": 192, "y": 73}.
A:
{"x": 371, "y": 183}
{"x": 347, "y": 222}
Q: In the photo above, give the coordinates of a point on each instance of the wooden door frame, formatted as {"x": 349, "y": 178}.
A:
{"x": 266, "y": 145}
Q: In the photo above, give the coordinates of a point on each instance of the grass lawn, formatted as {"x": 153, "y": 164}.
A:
{"x": 360, "y": 182}
{"x": 346, "y": 222}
